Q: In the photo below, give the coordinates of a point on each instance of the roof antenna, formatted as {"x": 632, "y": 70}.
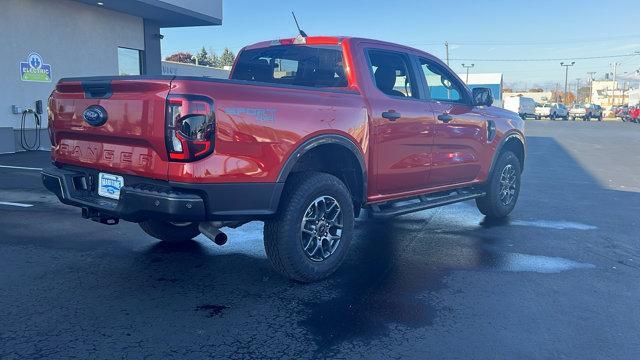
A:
{"x": 302, "y": 33}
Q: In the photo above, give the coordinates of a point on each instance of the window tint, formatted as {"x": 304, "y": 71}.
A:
{"x": 313, "y": 66}
{"x": 442, "y": 86}
{"x": 129, "y": 62}
{"x": 391, "y": 74}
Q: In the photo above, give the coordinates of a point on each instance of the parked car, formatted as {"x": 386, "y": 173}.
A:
{"x": 523, "y": 106}
{"x": 552, "y": 111}
{"x": 586, "y": 112}
{"x": 304, "y": 134}
{"x": 619, "y": 111}
{"x": 634, "y": 114}
{"x": 595, "y": 112}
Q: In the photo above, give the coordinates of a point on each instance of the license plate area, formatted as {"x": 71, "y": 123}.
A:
{"x": 109, "y": 185}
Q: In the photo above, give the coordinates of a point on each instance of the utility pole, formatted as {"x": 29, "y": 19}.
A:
{"x": 615, "y": 86}
{"x": 446, "y": 48}
{"x": 566, "y": 78}
{"x": 557, "y": 95}
{"x": 578, "y": 90}
{"x": 467, "y": 67}
{"x": 591, "y": 73}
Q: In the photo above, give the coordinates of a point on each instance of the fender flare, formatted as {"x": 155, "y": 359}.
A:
{"x": 325, "y": 139}
{"x": 511, "y": 135}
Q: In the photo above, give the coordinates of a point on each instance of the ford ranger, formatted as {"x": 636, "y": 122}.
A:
{"x": 305, "y": 134}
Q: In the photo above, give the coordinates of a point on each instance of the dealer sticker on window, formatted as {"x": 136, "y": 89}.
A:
{"x": 109, "y": 185}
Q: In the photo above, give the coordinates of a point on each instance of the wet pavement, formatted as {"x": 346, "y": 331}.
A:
{"x": 558, "y": 280}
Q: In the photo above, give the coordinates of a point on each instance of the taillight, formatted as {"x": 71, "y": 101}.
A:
{"x": 190, "y": 127}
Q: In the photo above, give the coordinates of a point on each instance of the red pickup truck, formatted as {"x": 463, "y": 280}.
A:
{"x": 304, "y": 134}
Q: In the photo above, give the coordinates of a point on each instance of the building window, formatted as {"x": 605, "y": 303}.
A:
{"x": 129, "y": 61}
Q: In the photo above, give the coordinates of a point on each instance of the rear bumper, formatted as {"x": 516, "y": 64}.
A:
{"x": 142, "y": 198}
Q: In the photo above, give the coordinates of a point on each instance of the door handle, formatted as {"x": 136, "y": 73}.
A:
{"x": 391, "y": 115}
{"x": 445, "y": 118}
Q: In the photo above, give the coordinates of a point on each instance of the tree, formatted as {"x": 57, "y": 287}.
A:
{"x": 203, "y": 58}
{"x": 569, "y": 99}
{"x": 227, "y": 58}
{"x": 181, "y": 57}
{"x": 584, "y": 93}
{"x": 213, "y": 58}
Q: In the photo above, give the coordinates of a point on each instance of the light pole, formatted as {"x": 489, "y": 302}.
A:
{"x": 591, "y": 73}
{"x": 566, "y": 78}
{"x": 577, "y": 100}
{"x": 467, "y": 67}
{"x": 446, "y": 49}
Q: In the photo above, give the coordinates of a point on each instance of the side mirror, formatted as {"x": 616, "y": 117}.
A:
{"x": 482, "y": 97}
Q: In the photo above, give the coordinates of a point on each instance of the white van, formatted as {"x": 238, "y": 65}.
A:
{"x": 521, "y": 105}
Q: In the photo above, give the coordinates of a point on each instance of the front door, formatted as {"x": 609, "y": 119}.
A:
{"x": 402, "y": 124}
{"x": 460, "y": 130}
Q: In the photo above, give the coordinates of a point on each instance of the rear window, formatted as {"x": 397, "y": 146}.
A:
{"x": 301, "y": 65}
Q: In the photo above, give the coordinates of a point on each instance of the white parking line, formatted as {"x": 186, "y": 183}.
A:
{"x": 15, "y": 204}
{"x": 20, "y": 168}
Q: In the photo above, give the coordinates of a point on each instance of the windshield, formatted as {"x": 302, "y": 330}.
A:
{"x": 313, "y": 66}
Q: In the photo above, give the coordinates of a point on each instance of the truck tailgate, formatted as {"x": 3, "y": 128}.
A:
{"x": 131, "y": 141}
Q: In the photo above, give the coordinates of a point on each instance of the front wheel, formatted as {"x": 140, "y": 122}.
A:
{"x": 503, "y": 187}
{"x": 310, "y": 236}
{"x": 552, "y": 117}
{"x": 170, "y": 231}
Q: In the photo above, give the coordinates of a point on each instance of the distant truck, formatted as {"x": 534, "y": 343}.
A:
{"x": 552, "y": 111}
{"x": 304, "y": 134}
{"x": 586, "y": 112}
{"x": 523, "y": 106}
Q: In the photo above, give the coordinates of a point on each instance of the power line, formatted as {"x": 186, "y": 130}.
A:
{"x": 525, "y": 43}
{"x": 550, "y": 59}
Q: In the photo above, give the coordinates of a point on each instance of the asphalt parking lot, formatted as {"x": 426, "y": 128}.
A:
{"x": 559, "y": 280}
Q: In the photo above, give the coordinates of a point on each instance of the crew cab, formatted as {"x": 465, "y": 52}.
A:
{"x": 305, "y": 134}
{"x": 552, "y": 111}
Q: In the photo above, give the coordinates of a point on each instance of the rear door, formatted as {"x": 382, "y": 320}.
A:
{"x": 460, "y": 130}
{"x": 130, "y": 140}
{"x": 402, "y": 124}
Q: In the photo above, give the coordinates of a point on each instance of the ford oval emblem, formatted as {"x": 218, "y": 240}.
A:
{"x": 95, "y": 115}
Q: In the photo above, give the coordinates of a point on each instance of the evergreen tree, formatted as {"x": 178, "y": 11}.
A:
{"x": 213, "y": 58}
{"x": 202, "y": 58}
{"x": 227, "y": 58}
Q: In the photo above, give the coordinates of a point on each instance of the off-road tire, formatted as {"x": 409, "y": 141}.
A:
{"x": 491, "y": 204}
{"x": 170, "y": 232}
{"x": 283, "y": 234}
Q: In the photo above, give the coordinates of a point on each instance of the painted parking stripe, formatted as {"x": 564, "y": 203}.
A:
{"x": 556, "y": 225}
{"x": 15, "y": 204}
{"x": 20, "y": 168}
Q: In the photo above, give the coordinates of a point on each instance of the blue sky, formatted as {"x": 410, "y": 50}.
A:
{"x": 474, "y": 29}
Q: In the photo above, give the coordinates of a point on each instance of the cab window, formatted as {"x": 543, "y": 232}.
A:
{"x": 300, "y": 65}
{"x": 392, "y": 75}
{"x": 442, "y": 86}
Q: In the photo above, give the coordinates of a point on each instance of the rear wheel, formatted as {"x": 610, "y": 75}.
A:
{"x": 503, "y": 187}
{"x": 170, "y": 231}
{"x": 310, "y": 237}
